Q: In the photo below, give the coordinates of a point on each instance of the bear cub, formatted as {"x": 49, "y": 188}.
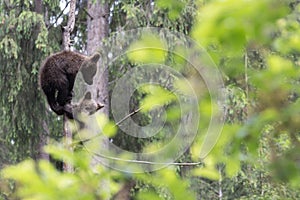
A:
{"x": 57, "y": 77}
{"x": 87, "y": 105}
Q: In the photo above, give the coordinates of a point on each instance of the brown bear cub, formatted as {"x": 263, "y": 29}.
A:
{"x": 87, "y": 105}
{"x": 57, "y": 76}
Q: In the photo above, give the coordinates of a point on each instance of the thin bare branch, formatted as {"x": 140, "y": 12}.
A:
{"x": 147, "y": 162}
{"x": 70, "y": 26}
{"x": 129, "y": 115}
{"x": 59, "y": 16}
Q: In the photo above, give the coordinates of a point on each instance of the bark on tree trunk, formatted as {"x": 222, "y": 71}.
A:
{"x": 97, "y": 25}
{"x": 43, "y": 137}
{"x": 38, "y": 6}
{"x": 66, "y": 46}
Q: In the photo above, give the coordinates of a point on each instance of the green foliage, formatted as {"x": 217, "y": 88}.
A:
{"x": 236, "y": 104}
{"x": 24, "y": 42}
{"x": 166, "y": 184}
{"x": 288, "y": 40}
{"x": 149, "y": 49}
{"x": 260, "y": 98}
{"x": 41, "y": 181}
{"x": 254, "y": 43}
{"x": 173, "y": 7}
{"x": 172, "y": 14}
{"x": 233, "y": 23}
{"x": 157, "y": 97}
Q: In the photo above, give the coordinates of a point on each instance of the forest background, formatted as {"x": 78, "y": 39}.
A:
{"x": 255, "y": 46}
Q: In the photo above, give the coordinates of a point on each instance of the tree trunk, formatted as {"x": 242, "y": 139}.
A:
{"x": 43, "y": 137}
{"x": 38, "y": 6}
{"x": 97, "y": 25}
{"x": 66, "y": 46}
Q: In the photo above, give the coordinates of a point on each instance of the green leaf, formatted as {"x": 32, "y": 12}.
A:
{"x": 173, "y": 7}
{"x": 157, "y": 97}
{"x": 149, "y": 195}
{"x": 108, "y": 127}
{"x": 149, "y": 49}
{"x": 209, "y": 173}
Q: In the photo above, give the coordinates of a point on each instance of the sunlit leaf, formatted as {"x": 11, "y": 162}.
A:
{"x": 212, "y": 174}
{"x": 107, "y": 127}
{"x": 174, "y": 7}
{"x": 279, "y": 65}
{"x": 60, "y": 153}
{"x": 148, "y": 49}
{"x": 148, "y": 196}
{"x": 157, "y": 97}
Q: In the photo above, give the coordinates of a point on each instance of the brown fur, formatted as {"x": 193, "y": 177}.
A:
{"x": 57, "y": 76}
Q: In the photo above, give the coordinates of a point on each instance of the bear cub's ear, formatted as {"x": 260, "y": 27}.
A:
{"x": 94, "y": 58}
{"x": 88, "y": 96}
{"x": 88, "y": 105}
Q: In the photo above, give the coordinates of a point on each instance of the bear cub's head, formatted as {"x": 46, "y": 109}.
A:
{"x": 87, "y": 105}
{"x": 89, "y": 68}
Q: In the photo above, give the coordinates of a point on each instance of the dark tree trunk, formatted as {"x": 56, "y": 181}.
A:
{"x": 43, "y": 137}
{"x": 38, "y": 6}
